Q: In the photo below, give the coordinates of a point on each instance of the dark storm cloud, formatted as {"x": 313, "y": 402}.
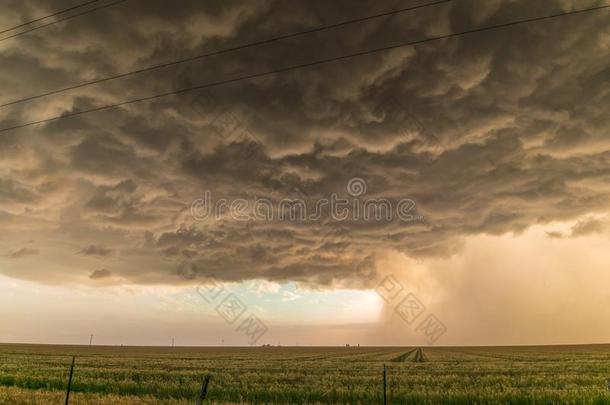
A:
{"x": 555, "y": 235}
{"x": 96, "y": 250}
{"x": 488, "y": 133}
{"x": 588, "y": 227}
{"x": 101, "y": 273}
{"x": 12, "y": 191}
{"x": 23, "y": 252}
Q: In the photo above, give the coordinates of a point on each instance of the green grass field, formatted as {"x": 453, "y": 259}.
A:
{"x": 37, "y": 374}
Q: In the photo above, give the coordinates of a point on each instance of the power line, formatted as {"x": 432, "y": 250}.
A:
{"x": 91, "y": 10}
{"x": 222, "y": 51}
{"x": 303, "y": 65}
{"x": 65, "y": 10}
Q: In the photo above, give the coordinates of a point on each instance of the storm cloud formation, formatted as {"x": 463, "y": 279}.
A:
{"x": 488, "y": 133}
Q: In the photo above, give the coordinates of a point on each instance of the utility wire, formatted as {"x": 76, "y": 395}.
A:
{"x": 65, "y": 10}
{"x": 222, "y": 51}
{"x": 303, "y": 65}
{"x": 91, "y": 10}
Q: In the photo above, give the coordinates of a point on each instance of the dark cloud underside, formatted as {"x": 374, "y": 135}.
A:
{"x": 488, "y": 133}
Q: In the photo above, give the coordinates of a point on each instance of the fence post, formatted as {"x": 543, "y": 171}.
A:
{"x": 70, "y": 381}
{"x": 385, "y": 398}
{"x": 204, "y": 389}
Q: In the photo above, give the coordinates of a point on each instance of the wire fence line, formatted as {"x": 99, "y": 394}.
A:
{"x": 386, "y": 386}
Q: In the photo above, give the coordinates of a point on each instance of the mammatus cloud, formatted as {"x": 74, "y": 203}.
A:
{"x": 488, "y": 134}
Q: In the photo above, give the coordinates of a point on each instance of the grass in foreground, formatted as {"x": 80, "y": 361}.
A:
{"x": 37, "y": 374}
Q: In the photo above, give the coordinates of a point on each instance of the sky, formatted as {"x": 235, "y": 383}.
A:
{"x": 455, "y": 192}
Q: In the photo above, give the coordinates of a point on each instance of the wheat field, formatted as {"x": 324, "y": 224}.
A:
{"x": 38, "y": 374}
